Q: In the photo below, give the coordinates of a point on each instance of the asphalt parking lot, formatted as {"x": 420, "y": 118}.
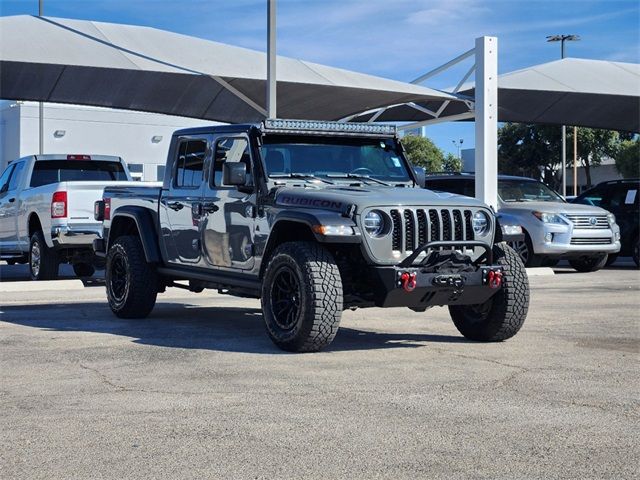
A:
{"x": 198, "y": 391}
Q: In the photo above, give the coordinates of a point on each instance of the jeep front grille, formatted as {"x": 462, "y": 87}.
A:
{"x": 412, "y": 228}
{"x": 588, "y": 222}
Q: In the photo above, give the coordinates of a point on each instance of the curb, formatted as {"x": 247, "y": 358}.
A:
{"x": 49, "y": 285}
{"x": 540, "y": 272}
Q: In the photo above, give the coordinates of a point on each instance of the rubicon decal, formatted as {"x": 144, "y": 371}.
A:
{"x": 309, "y": 202}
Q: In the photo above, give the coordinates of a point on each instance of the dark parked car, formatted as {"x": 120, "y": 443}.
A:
{"x": 620, "y": 197}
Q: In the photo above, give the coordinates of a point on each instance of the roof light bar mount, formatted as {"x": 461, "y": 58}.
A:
{"x": 308, "y": 127}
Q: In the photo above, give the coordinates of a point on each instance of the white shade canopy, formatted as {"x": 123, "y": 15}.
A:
{"x": 140, "y": 68}
{"x": 572, "y": 91}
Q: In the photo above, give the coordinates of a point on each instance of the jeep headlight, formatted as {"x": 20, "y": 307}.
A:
{"x": 611, "y": 218}
{"x": 480, "y": 223}
{"x": 545, "y": 217}
{"x": 374, "y": 223}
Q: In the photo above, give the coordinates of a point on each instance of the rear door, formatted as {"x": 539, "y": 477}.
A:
{"x": 180, "y": 205}
{"x": 228, "y": 211}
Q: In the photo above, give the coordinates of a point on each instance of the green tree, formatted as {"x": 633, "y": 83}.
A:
{"x": 530, "y": 151}
{"x": 535, "y": 150}
{"x": 594, "y": 145}
{"x": 422, "y": 152}
{"x": 451, "y": 163}
{"x": 628, "y": 158}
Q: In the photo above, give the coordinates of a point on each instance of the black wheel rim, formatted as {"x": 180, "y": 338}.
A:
{"x": 285, "y": 298}
{"x": 118, "y": 277}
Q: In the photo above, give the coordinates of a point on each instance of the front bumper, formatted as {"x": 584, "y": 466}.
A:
{"x": 431, "y": 289}
{"x": 424, "y": 284}
{"x": 80, "y": 237}
{"x": 566, "y": 241}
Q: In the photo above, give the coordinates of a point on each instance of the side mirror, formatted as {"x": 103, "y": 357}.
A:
{"x": 234, "y": 173}
{"x": 421, "y": 175}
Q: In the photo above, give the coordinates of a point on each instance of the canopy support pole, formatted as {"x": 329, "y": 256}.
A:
{"x": 271, "y": 59}
{"x": 40, "y": 106}
{"x": 486, "y": 113}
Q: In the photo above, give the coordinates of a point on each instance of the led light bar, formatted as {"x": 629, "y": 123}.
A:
{"x": 339, "y": 128}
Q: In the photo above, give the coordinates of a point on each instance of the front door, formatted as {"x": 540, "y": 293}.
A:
{"x": 229, "y": 211}
{"x": 180, "y": 207}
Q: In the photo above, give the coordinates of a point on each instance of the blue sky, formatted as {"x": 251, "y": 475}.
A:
{"x": 398, "y": 39}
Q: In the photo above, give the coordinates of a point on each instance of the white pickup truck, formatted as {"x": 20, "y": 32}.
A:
{"x": 46, "y": 210}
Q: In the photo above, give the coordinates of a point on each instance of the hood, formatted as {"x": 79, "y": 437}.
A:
{"x": 337, "y": 198}
{"x": 551, "y": 207}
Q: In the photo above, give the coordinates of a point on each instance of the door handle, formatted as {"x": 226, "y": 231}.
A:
{"x": 175, "y": 206}
{"x": 210, "y": 207}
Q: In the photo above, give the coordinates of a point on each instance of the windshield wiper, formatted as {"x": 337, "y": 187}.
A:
{"x": 359, "y": 177}
{"x": 302, "y": 176}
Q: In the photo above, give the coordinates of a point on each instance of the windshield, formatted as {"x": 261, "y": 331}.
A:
{"x": 333, "y": 157}
{"x": 526, "y": 191}
{"x": 54, "y": 171}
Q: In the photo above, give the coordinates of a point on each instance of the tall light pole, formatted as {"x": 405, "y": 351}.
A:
{"x": 562, "y": 39}
{"x": 458, "y": 146}
{"x": 271, "y": 59}
{"x": 40, "y": 106}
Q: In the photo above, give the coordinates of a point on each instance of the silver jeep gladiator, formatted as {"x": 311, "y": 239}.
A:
{"x": 312, "y": 218}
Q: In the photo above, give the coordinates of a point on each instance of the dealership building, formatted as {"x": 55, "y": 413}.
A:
{"x": 141, "y": 139}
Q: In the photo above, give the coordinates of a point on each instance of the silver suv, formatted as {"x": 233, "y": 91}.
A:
{"x": 553, "y": 229}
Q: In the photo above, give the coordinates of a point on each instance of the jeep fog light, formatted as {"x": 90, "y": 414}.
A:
{"x": 333, "y": 230}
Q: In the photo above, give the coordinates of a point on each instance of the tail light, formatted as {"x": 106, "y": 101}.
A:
{"x": 59, "y": 205}
{"x": 107, "y": 209}
{"x": 78, "y": 157}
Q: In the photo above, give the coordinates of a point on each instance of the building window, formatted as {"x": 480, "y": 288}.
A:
{"x": 137, "y": 171}
{"x": 159, "y": 173}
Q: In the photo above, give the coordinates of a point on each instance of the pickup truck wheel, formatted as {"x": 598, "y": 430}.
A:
{"x": 500, "y": 317}
{"x": 83, "y": 270}
{"x": 131, "y": 281}
{"x": 589, "y": 264}
{"x": 43, "y": 261}
{"x": 302, "y": 297}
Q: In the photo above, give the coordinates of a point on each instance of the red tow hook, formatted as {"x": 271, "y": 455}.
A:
{"x": 494, "y": 278}
{"x": 408, "y": 281}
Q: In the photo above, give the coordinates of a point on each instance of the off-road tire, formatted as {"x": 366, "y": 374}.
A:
{"x": 83, "y": 270}
{"x": 317, "y": 315}
{"x": 500, "y": 317}
{"x": 589, "y": 263}
{"x": 132, "y": 282}
{"x": 44, "y": 262}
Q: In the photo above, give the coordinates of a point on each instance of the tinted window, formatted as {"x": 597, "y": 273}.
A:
{"x": 46, "y": 172}
{"x": 230, "y": 150}
{"x": 16, "y": 177}
{"x": 4, "y": 179}
{"x": 458, "y": 186}
{"x": 160, "y": 173}
{"x": 190, "y": 164}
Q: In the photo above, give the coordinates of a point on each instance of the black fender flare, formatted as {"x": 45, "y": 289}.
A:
{"x": 146, "y": 226}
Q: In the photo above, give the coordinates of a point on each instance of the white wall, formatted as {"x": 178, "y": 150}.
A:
{"x": 90, "y": 130}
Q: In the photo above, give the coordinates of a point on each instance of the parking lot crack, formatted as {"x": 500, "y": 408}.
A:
{"x": 104, "y": 379}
